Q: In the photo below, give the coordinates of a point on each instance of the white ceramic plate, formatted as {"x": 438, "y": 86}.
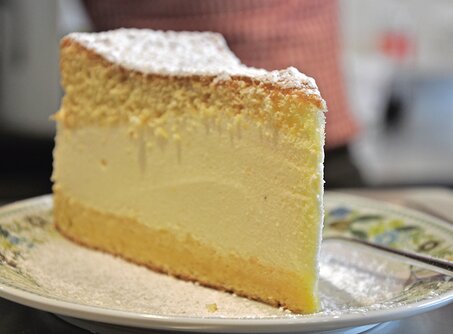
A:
{"x": 359, "y": 287}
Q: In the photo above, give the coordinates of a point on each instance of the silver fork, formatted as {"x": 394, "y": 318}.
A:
{"x": 444, "y": 267}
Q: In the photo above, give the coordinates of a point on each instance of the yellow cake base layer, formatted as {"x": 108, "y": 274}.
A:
{"x": 188, "y": 259}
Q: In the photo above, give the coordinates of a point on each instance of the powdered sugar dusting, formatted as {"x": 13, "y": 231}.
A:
{"x": 183, "y": 54}
{"x": 349, "y": 282}
{"x": 84, "y": 276}
{"x": 357, "y": 277}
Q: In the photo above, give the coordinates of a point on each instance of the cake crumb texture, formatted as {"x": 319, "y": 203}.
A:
{"x": 182, "y": 54}
{"x": 172, "y": 154}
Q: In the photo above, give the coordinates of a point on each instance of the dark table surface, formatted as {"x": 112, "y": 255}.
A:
{"x": 16, "y": 318}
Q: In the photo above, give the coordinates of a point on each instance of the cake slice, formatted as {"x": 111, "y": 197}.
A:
{"x": 172, "y": 154}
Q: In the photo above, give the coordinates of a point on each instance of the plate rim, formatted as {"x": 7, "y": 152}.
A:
{"x": 153, "y": 321}
{"x": 223, "y": 324}
{"x": 393, "y": 208}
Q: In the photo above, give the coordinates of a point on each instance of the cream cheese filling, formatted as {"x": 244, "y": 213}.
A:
{"x": 238, "y": 189}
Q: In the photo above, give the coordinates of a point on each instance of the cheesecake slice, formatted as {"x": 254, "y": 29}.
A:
{"x": 172, "y": 154}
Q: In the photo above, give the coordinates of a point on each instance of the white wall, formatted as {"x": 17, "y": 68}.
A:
{"x": 421, "y": 149}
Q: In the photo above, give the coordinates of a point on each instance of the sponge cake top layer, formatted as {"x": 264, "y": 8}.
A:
{"x": 184, "y": 54}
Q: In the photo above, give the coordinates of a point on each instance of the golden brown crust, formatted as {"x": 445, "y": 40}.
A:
{"x": 236, "y": 82}
{"x": 159, "y": 269}
{"x": 186, "y": 259}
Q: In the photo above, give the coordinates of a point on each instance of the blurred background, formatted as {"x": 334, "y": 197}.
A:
{"x": 386, "y": 68}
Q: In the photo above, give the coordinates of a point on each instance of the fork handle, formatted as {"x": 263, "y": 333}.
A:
{"x": 438, "y": 265}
